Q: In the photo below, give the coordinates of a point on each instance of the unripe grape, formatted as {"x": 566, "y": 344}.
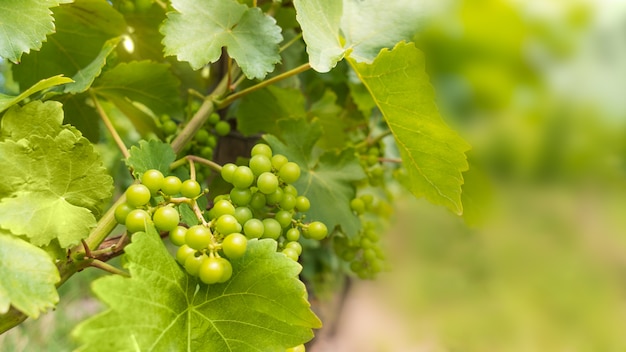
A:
{"x": 122, "y": 211}
{"x": 137, "y": 195}
{"x": 198, "y": 237}
{"x": 177, "y": 235}
{"x": 136, "y": 220}
{"x": 302, "y": 203}
{"x": 291, "y": 253}
{"x": 278, "y": 161}
{"x": 234, "y": 245}
{"x": 165, "y": 218}
{"x": 253, "y": 228}
{"x": 261, "y": 149}
{"x": 242, "y": 177}
{"x": 290, "y": 172}
{"x": 267, "y": 183}
{"x": 171, "y": 185}
{"x": 227, "y": 172}
{"x": 190, "y": 189}
{"x": 153, "y": 179}
{"x": 317, "y": 230}
{"x": 259, "y": 164}
{"x": 222, "y": 128}
{"x": 272, "y": 228}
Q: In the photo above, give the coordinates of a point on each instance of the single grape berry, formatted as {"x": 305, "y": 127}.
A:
{"x": 272, "y": 228}
{"x": 299, "y": 348}
{"x": 295, "y": 246}
{"x": 290, "y": 172}
{"x": 222, "y": 128}
{"x": 288, "y": 202}
{"x": 227, "y": 224}
{"x": 177, "y": 235}
{"x": 122, "y": 211}
{"x": 317, "y": 230}
{"x": 190, "y": 189}
{"x": 202, "y": 136}
{"x": 234, "y": 245}
{"x": 267, "y": 183}
{"x": 183, "y": 252}
{"x": 171, "y": 185}
{"x": 258, "y": 201}
{"x": 213, "y": 118}
{"x": 302, "y": 203}
{"x": 293, "y": 234}
{"x": 243, "y": 214}
{"x": 357, "y": 205}
{"x": 198, "y": 237}
{"x": 284, "y": 218}
{"x": 253, "y": 228}
{"x": 137, "y": 195}
{"x": 165, "y": 218}
{"x": 153, "y": 179}
{"x": 228, "y": 270}
{"x": 222, "y": 207}
{"x": 169, "y": 127}
{"x": 278, "y": 161}
{"x": 259, "y": 164}
{"x": 240, "y": 197}
{"x": 136, "y": 220}
{"x": 211, "y": 270}
{"x": 193, "y": 263}
{"x": 227, "y": 172}
{"x": 261, "y": 149}
{"x": 291, "y": 253}
{"x": 242, "y": 177}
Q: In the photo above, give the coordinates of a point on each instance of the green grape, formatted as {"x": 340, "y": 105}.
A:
{"x": 227, "y": 224}
{"x": 153, "y": 179}
{"x": 234, "y": 245}
{"x": 272, "y": 228}
{"x": 278, "y": 161}
{"x": 274, "y": 198}
{"x": 207, "y": 153}
{"x": 169, "y": 127}
{"x": 202, "y": 136}
{"x": 357, "y": 205}
{"x": 317, "y": 230}
{"x": 371, "y": 160}
{"x": 193, "y": 263}
{"x": 295, "y": 245}
{"x": 213, "y": 118}
{"x": 222, "y": 207}
{"x": 372, "y": 235}
{"x": 258, "y": 201}
{"x": 227, "y": 172}
{"x": 177, "y": 235}
{"x": 253, "y": 228}
{"x": 259, "y": 164}
{"x": 198, "y": 237}
{"x": 127, "y": 7}
{"x": 122, "y": 211}
{"x": 190, "y": 189}
{"x": 212, "y": 142}
{"x": 299, "y": 348}
{"x": 211, "y": 270}
{"x": 240, "y": 197}
{"x": 228, "y": 270}
{"x": 293, "y": 234}
{"x": 284, "y": 218}
{"x": 242, "y": 177}
{"x": 165, "y": 218}
{"x": 369, "y": 254}
{"x": 222, "y": 128}
{"x": 261, "y": 149}
{"x": 291, "y": 253}
{"x": 348, "y": 255}
{"x": 243, "y": 214}
{"x": 288, "y": 202}
{"x": 183, "y": 252}
{"x": 137, "y": 195}
{"x": 136, "y": 220}
{"x": 366, "y": 243}
{"x": 171, "y": 185}
{"x": 290, "y": 189}
{"x": 368, "y": 200}
{"x": 267, "y": 183}
{"x": 302, "y": 203}
{"x": 290, "y": 172}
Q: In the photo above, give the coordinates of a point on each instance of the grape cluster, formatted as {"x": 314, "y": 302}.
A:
{"x": 363, "y": 251}
{"x": 370, "y": 161}
{"x": 262, "y": 204}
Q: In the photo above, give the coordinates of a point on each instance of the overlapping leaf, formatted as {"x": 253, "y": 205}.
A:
{"x": 259, "y": 111}
{"x": 151, "y": 154}
{"x": 6, "y": 101}
{"x": 54, "y": 183}
{"x": 359, "y": 28}
{"x": 161, "y": 308}
{"x": 25, "y": 24}
{"x": 82, "y": 28}
{"x": 198, "y": 31}
{"x": 27, "y": 277}
{"x": 433, "y": 154}
{"x": 327, "y": 180}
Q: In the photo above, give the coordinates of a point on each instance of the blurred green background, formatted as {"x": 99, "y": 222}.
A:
{"x": 538, "y": 263}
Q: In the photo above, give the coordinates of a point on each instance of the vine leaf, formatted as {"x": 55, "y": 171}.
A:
{"x": 85, "y": 77}
{"x": 6, "y": 101}
{"x": 326, "y": 180}
{"x": 259, "y": 111}
{"x": 54, "y": 183}
{"x": 25, "y": 24}
{"x": 333, "y": 29}
{"x": 151, "y": 154}
{"x": 161, "y": 308}
{"x": 82, "y": 28}
{"x": 198, "y": 30}
{"x": 433, "y": 154}
{"x": 27, "y": 277}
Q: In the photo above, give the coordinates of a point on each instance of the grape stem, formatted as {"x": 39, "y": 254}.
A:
{"x": 231, "y": 98}
{"x": 191, "y": 158}
{"x": 109, "y": 126}
{"x": 369, "y": 141}
{"x": 108, "y": 267}
{"x": 198, "y": 212}
{"x": 390, "y": 160}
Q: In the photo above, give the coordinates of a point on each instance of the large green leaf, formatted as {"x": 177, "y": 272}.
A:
{"x": 198, "y": 30}
{"x": 161, "y": 308}
{"x": 433, "y": 154}
{"x": 24, "y": 25}
{"x": 27, "y": 277}
{"x": 54, "y": 183}
{"x": 358, "y": 28}
{"x": 151, "y": 154}
{"x": 82, "y": 28}
{"x": 6, "y": 101}
{"x": 327, "y": 180}
{"x": 259, "y": 111}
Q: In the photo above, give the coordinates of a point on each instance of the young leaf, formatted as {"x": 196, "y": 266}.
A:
{"x": 25, "y": 24}
{"x": 161, "y": 308}
{"x": 6, "y": 101}
{"x": 320, "y": 22}
{"x": 85, "y": 77}
{"x": 151, "y": 154}
{"x": 328, "y": 180}
{"x": 197, "y": 32}
{"x": 82, "y": 28}
{"x": 433, "y": 154}
{"x": 259, "y": 111}
{"x": 54, "y": 182}
{"x": 27, "y": 277}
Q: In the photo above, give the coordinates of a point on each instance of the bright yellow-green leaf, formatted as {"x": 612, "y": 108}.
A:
{"x": 433, "y": 154}
{"x": 6, "y": 101}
